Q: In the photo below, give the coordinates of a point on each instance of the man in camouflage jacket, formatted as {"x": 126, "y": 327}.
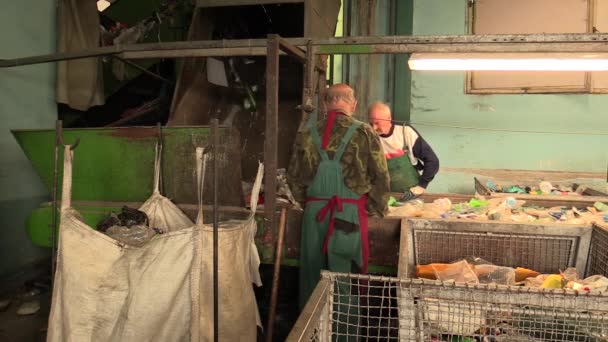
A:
{"x": 339, "y": 173}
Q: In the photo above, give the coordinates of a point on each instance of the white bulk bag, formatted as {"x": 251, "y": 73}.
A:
{"x": 162, "y": 213}
{"x": 162, "y": 291}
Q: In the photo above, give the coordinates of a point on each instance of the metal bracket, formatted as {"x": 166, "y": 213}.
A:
{"x": 306, "y": 107}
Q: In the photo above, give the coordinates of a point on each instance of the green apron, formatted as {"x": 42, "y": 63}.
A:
{"x": 403, "y": 174}
{"x": 342, "y": 248}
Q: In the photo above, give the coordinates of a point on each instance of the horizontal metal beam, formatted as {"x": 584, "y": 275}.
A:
{"x": 597, "y": 47}
{"x": 227, "y": 3}
{"x": 292, "y": 50}
{"x": 196, "y": 52}
{"x": 347, "y": 45}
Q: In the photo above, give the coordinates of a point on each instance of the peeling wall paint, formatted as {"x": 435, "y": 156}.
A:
{"x": 510, "y": 137}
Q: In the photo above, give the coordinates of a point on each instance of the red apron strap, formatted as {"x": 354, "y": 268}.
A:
{"x": 331, "y": 117}
{"x": 336, "y": 203}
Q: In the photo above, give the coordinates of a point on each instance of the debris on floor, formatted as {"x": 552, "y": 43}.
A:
{"x": 29, "y": 308}
{"x": 4, "y": 304}
{"x": 25, "y": 305}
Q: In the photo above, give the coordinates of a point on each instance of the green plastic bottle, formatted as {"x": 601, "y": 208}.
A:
{"x": 601, "y": 206}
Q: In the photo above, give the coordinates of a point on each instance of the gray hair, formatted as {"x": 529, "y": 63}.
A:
{"x": 347, "y": 95}
{"x": 380, "y": 105}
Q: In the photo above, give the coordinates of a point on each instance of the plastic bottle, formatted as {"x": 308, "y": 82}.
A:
{"x": 545, "y": 187}
{"x": 511, "y": 202}
{"x": 601, "y": 206}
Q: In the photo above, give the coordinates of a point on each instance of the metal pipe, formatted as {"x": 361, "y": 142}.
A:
{"x": 292, "y": 50}
{"x": 195, "y": 52}
{"x": 276, "y": 275}
{"x": 54, "y": 225}
{"x": 144, "y": 70}
{"x": 576, "y": 42}
{"x": 271, "y": 129}
{"x": 216, "y": 144}
{"x": 307, "y": 105}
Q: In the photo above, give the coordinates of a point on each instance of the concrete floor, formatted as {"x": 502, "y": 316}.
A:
{"x": 15, "y": 328}
{"x": 32, "y": 328}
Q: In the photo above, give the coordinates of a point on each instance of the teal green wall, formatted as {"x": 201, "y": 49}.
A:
{"x": 371, "y": 76}
{"x": 377, "y": 77}
{"x": 27, "y": 100}
{"x": 403, "y": 75}
{"x": 438, "y": 98}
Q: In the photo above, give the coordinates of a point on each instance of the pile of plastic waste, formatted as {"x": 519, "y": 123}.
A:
{"x": 474, "y": 270}
{"x": 499, "y": 209}
{"x": 543, "y": 188}
{"x": 130, "y": 227}
{"x": 466, "y": 321}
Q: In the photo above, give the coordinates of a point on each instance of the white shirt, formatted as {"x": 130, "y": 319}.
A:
{"x": 400, "y": 142}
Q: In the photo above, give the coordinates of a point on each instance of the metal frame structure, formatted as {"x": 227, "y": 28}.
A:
{"x": 306, "y": 50}
{"x": 544, "y": 248}
{"x": 407, "y": 309}
{"x": 421, "y": 308}
{"x": 596, "y": 42}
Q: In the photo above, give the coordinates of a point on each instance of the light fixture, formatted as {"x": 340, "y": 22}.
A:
{"x": 509, "y": 61}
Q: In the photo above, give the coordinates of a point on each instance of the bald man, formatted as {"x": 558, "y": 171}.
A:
{"x": 412, "y": 163}
{"x": 339, "y": 173}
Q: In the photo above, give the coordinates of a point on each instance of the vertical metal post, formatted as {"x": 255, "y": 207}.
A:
{"x": 322, "y": 84}
{"x": 274, "y": 294}
{"x": 308, "y": 89}
{"x": 272, "y": 128}
{"x": 216, "y": 144}
{"x": 54, "y": 225}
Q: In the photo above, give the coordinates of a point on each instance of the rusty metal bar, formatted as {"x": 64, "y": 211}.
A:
{"x": 144, "y": 70}
{"x": 215, "y": 132}
{"x": 307, "y": 105}
{"x": 272, "y": 128}
{"x": 54, "y": 225}
{"x": 292, "y": 50}
{"x": 225, "y": 3}
{"x": 596, "y": 42}
{"x": 56, "y": 57}
{"x": 274, "y": 294}
{"x": 297, "y": 53}
{"x": 196, "y": 52}
{"x": 322, "y": 84}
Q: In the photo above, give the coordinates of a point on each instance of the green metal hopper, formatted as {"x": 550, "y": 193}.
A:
{"x": 114, "y": 166}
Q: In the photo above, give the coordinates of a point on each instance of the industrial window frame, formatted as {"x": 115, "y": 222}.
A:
{"x": 587, "y": 88}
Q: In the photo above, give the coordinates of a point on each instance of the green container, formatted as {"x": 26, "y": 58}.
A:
{"x": 117, "y": 165}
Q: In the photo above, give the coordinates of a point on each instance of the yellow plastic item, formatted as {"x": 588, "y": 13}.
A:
{"x": 554, "y": 281}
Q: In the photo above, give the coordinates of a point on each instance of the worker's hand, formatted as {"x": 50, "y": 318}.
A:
{"x": 417, "y": 190}
{"x": 408, "y": 196}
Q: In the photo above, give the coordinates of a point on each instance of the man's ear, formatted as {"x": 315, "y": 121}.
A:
{"x": 354, "y": 107}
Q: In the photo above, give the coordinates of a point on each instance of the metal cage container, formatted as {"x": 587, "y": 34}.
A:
{"x": 347, "y": 307}
{"x": 546, "y": 248}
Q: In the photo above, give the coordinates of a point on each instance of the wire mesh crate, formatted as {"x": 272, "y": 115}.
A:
{"x": 347, "y": 307}
{"x": 359, "y": 308}
{"x": 543, "y": 248}
{"x": 598, "y": 253}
